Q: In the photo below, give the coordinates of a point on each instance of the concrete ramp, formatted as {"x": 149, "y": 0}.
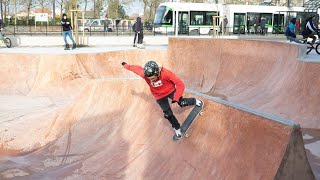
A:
{"x": 264, "y": 75}
{"x": 109, "y": 127}
{"x": 114, "y": 129}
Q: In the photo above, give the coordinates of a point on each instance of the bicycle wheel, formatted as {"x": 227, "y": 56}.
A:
{"x": 309, "y": 48}
{"x": 318, "y": 48}
{"x": 7, "y": 41}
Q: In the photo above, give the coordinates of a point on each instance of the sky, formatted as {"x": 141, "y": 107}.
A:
{"x": 132, "y": 8}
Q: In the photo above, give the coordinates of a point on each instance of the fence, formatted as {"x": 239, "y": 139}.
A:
{"x": 113, "y": 31}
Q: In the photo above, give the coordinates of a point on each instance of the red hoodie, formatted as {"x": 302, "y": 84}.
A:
{"x": 166, "y": 83}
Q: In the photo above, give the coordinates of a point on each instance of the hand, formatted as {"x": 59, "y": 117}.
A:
{"x": 123, "y": 63}
{"x": 181, "y": 102}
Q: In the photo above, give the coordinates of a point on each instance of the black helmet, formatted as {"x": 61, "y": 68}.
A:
{"x": 312, "y": 15}
{"x": 64, "y": 14}
{"x": 151, "y": 68}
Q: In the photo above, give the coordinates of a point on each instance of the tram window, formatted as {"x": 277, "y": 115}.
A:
{"x": 268, "y": 17}
{"x": 159, "y": 14}
{"x": 167, "y": 18}
{"x": 209, "y": 18}
{"x": 197, "y": 18}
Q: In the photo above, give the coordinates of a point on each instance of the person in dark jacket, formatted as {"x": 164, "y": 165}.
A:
{"x": 256, "y": 24}
{"x": 66, "y": 26}
{"x": 134, "y": 29}
{"x": 263, "y": 25}
{"x": 290, "y": 32}
{"x": 248, "y": 25}
{"x": 310, "y": 29}
{"x": 139, "y": 30}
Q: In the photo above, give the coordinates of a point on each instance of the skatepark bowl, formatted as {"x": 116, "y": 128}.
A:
{"x": 73, "y": 115}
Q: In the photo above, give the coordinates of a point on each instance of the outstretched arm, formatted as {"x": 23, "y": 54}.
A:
{"x": 134, "y": 68}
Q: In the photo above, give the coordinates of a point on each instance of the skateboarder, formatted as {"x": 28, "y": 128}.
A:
{"x": 164, "y": 84}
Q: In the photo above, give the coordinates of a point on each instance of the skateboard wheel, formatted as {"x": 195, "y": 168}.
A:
{"x": 201, "y": 113}
{"x": 186, "y": 135}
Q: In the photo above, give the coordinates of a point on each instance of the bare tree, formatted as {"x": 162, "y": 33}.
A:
{"x": 97, "y": 4}
{"x": 85, "y": 5}
{"x": 150, "y": 7}
{"x": 62, "y": 4}
{"x": 113, "y": 9}
{"x": 43, "y": 4}
{"x": 53, "y": 12}
{"x": 28, "y": 5}
{"x": 6, "y": 4}
{"x": 145, "y": 5}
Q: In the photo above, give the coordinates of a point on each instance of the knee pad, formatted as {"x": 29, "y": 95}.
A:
{"x": 183, "y": 102}
{"x": 168, "y": 114}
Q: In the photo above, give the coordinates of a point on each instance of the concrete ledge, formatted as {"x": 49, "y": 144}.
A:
{"x": 92, "y": 40}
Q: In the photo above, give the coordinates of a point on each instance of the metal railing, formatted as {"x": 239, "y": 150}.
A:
{"x": 124, "y": 30}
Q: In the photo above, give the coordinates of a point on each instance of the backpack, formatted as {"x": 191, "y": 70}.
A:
{"x": 134, "y": 27}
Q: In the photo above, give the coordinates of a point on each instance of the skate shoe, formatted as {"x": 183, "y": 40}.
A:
{"x": 199, "y": 102}
{"x": 178, "y": 132}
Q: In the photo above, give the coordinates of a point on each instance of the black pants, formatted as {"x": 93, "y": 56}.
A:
{"x": 168, "y": 114}
{"x": 135, "y": 37}
{"x": 140, "y": 37}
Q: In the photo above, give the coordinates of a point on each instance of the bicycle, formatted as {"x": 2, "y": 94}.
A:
{"x": 315, "y": 46}
{"x": 6, "y": 41}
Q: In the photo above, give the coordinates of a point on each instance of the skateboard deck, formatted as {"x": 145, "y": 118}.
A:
{"x": 189, "y": 121}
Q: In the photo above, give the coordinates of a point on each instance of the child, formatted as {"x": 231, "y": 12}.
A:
{"x": 164, "y": 84}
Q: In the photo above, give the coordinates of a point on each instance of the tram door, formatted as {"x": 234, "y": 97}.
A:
{"x": 278, "y": 24}
{"x": 239, "y": 23}
{"x": 183, "y": 22}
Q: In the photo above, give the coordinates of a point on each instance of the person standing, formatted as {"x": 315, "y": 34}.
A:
{"x": 134, "y": 29}
{"x": 106, "y": 24}
{"x": 225, "y": 22}
{"x": 66, "y": 26}
{"x": 256, "y": 24}
{"x": 139, "y": 29}
{"x": 298, "y": 25}
{"x": 263, "y": 25}
{"x": 248, "y": 25}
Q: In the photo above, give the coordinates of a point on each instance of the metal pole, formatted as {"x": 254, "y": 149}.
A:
{"x": 1, "y": 11}
{"x": 177, "y": 23}
{"x": 15, "y": 13}
{"x": 54, "y": 12}
{"x": 83, "y": 27}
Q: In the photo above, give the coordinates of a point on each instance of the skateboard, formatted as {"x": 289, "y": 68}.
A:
{"x": 195, "y": 112}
